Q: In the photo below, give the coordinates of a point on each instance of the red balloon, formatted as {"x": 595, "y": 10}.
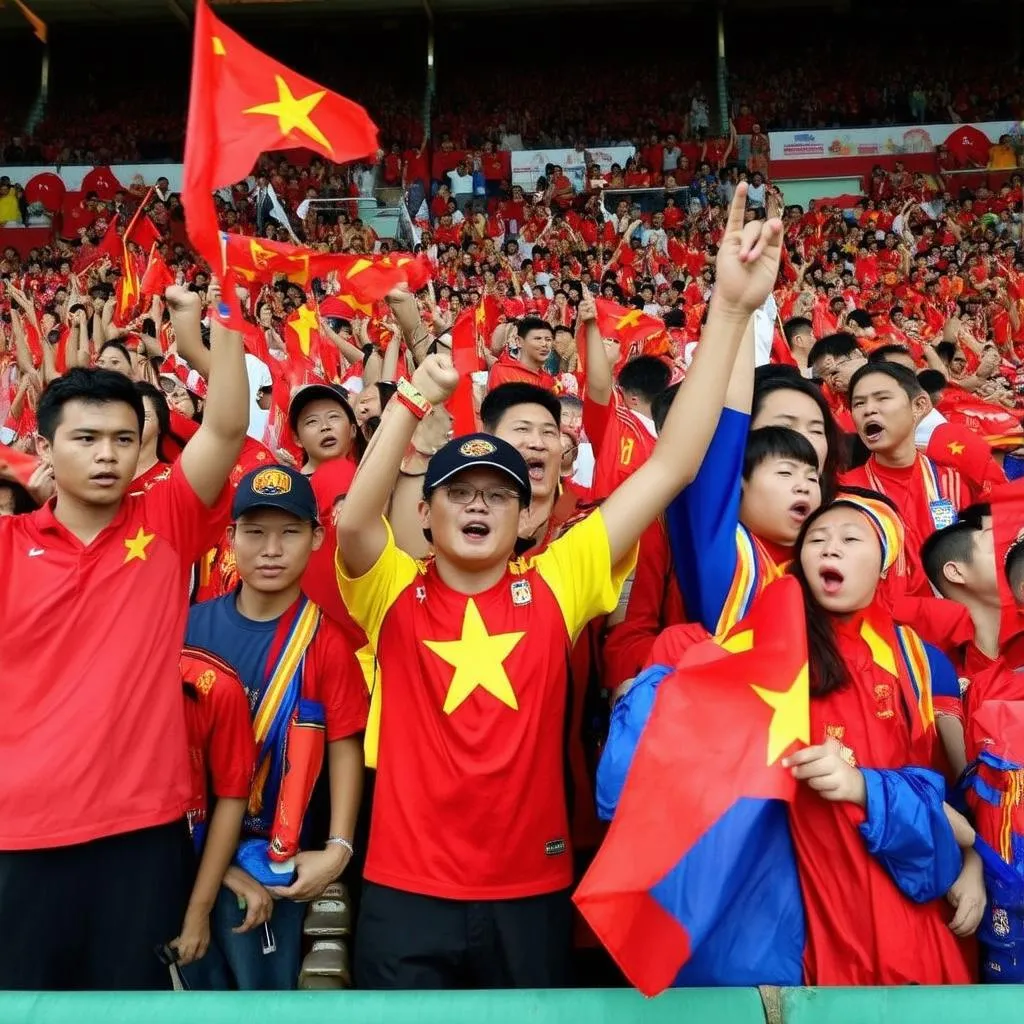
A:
{"x": 102, "y": 181}
{"x": 47, "y": 189}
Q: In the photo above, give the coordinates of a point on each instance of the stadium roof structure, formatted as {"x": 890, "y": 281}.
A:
{"x": 65, "y": 12}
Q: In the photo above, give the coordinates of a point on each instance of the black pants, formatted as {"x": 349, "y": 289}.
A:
{"x": 89, "y": 916}
{"x": 408, "y": 941}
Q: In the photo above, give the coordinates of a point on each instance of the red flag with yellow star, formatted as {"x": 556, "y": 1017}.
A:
{"x": 302, "y": 334}
{"x": 243, "y": 103}
{"x": 470, "y": 333}
{"x": 630, "y": 326}
{"x": 707, "y": 761}
{"x": 128, "y": 292}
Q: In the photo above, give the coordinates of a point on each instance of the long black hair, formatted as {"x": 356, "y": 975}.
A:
{"x": 826, "y": 669}
{"x": 772, "y": 378}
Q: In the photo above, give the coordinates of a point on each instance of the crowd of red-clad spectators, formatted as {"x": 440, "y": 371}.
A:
{"x": 549, "y": 95}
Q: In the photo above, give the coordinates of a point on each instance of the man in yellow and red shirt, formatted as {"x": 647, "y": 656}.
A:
{"x": 468, "y": 867}
{"x": 92, "y": 726}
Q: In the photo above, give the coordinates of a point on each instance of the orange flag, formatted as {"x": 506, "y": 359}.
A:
{"x": 243, "y": 103}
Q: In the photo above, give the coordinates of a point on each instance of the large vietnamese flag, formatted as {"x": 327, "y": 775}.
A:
{"x": 243, "y": 103}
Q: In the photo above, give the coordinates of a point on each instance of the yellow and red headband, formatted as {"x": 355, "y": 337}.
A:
{"x": 886, "y": 524}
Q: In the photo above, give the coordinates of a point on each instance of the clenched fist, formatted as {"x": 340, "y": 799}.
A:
{"x": 436, "y": 378}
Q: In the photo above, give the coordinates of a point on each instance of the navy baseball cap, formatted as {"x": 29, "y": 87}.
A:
{"x": 277, "y": 487}
{"x": 474, "y": 451}
{"x": 309, "y": 393}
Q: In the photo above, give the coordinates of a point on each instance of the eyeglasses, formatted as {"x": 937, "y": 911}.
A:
{"x": 493, "y": 497}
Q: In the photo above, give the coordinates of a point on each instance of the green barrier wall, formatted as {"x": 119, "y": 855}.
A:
{"x": 912, "y": 1005}
{"x": 606, "y": 1006}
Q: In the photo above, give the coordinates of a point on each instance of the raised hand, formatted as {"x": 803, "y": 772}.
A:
{"x": 181, "y": 300}
{"x": 436, "y": 378}
{"x": 748, "y": 258}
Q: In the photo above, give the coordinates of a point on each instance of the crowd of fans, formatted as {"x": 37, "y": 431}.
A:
{"x": 547, "y": 98}
{"x": 681, "y": 391}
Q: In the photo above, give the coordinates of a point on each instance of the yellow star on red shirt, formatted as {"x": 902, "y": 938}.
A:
{"x": 136, "y": 546}
{"x": 292, "y": 112}
{"x": 477, "y": 658}
{"x": 791, "y": 720}
{"x": 955, "y": 448}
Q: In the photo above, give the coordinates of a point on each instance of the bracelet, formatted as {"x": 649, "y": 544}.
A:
{"x": 342, "y": 842}
{"x": 408, "y": 396}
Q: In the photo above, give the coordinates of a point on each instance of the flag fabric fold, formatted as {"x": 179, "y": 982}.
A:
{"x": 696, "y": 880}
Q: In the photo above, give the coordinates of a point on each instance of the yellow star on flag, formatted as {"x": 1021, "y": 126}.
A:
{"x": 955, "y": 448}
{"x": 136, "y": 546}
{"x": 293, "y": 112}
{"x": 218, "y": 46}
{"x": 261, "y": 256}
{"x": 477, "y": 658}
{"x": 366, "y": 308}
{"x": 629, "y": 319}
{"x": 791, "y": 720}
{"x": 303, "y": 325}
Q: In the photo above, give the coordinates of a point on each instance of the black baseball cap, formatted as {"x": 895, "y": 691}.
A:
{"x": 314, "y": 392}
{"x": 277, "y": 487}
{"x": 472, "y": 451}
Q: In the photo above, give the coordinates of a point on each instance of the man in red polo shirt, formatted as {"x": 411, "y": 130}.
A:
{"x": 95, "y": 859}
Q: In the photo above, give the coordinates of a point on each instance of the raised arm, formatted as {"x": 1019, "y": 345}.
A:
{"x": 362, "y": 535}
{"x": 599, "y": 373}
{"x": 184, "y": 308}
{"x": 746, "y": 271}
{"x": 209, "y": 457}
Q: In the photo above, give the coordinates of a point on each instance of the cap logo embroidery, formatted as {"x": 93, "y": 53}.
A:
{"x": 476, "y": 448}
{"x": 269, "y": 482}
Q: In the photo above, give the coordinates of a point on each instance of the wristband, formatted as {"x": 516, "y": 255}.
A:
{"x": 342, "y": 842}
{"x": 412, "y": 399}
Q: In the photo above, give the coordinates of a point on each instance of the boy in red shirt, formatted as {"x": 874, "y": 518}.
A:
{"x": 221, "y": 758}
{"x": 308, "y": 704}
{"x": 104, "y": 821}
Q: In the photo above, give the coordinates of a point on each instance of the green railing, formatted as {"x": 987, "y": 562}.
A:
{"x": 912, "y": 1005}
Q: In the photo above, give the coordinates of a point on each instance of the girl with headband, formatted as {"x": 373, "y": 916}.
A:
{"x": 876, "y": 846}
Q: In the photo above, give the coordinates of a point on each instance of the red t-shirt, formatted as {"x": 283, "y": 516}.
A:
{"x": 508, "y": 369}
{"x": 470, "y": 795}
{"x": 909, "y": 489}
{"x": 621, "y": 442}
{"x": 221, "y": 747}
{"x": 92, "y": 640}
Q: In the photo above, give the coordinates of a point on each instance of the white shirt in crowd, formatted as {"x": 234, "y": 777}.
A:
{"x": 462, "y": 184}
{"x": 925, "y": 429}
